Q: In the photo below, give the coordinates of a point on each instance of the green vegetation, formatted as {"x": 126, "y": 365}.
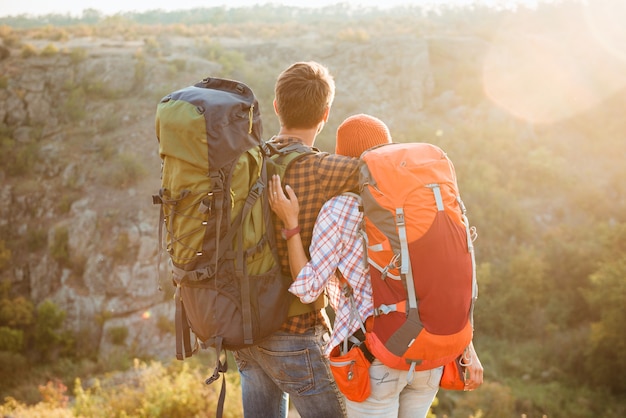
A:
{"x": 5, "y": 255}
{"x": 59, "y": 248}
{"x": 29, "y": 50}
{"x": 31, "y": 338}
{"x": 78, "y": 55}
{"x": 17, "y": 158}
{"x": 148, "y": 389}
{"x": 118, "y": 335}
{"x": 75, "y": 105}
{"x": 49, "y": 337}
{"x": 11, "y": 340}
{"x": 50, "y": 50}
{"x": 124, "y": 171}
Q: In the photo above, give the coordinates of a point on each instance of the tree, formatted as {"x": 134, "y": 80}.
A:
{"x": 49, "y": 338}
{"x": 607, "y": 363}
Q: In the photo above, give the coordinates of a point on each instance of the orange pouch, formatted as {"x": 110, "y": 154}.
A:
{"x": 351, "y": 372}
{"x": 453, "y": 377}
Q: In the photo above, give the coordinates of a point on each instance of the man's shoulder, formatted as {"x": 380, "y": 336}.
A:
{"x": 328, "y": 159}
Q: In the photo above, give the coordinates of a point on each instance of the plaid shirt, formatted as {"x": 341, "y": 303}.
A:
{"x": 337, "y": 245}
{"x": 315, "y": 179}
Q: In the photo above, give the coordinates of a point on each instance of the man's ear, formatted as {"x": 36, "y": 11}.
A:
{"x": 275, "y": 106}
{"x": 326, "y": 114}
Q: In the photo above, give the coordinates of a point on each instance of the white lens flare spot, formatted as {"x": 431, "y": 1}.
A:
{"x": 550, "y": 65}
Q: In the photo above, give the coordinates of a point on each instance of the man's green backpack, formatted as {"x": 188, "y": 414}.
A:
{"x": 215, "y": 217}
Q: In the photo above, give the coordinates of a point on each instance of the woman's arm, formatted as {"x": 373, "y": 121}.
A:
{"x": 287, "y": 209}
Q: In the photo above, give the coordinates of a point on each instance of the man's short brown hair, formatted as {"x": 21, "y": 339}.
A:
{"x": 303, "y": 93}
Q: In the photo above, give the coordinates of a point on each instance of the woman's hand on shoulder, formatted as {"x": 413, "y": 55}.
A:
{"x": 287, "y": 206}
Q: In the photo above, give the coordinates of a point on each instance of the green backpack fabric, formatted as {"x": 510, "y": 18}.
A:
{"x": 215, "y": 221}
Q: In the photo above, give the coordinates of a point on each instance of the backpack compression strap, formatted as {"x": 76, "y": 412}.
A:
{"x": 183, "y": 330}
{"x": 413, "y": 325}
{"x": 220, "y": 367}
{"x": 471, "y": 237}
{"x": 240, "y": 267}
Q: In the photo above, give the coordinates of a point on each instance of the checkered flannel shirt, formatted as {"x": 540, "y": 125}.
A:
{"x": 337, "y": 245}
{"x": 315, "y": 179}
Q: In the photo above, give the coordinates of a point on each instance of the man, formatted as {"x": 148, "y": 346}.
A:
{"x": 291, "y": 363}
{"x": 337, "y": 246}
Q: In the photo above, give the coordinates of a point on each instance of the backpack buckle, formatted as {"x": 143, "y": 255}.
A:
{"x": 206, "y": 204}
{"x": 384, "y": 309}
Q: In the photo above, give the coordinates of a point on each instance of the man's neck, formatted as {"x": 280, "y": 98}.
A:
{"x": 307, "y": 136}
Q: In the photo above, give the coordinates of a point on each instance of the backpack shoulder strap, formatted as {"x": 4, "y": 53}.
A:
{"x": 280, "y": 158}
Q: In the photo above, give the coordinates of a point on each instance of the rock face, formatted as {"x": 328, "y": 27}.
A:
{"x": 89, "y": 233}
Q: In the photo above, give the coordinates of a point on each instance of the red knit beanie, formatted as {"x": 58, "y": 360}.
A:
{"x": 359, "y": 133}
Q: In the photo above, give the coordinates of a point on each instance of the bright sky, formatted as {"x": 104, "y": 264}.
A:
{"x": 76, "y": 7}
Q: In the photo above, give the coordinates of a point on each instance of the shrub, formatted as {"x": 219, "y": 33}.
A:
{"x": 57, "y": 34}
{"x": 5, "y": 256}
{"x": 74, "y": 107}
{"x": 49, "y": 338}
{"x": 353, "y": 35}
{"x": 5, "y": 31}
{"x": 36, "y": 240}
{"x": 17, "y": 159}
{"x": 180, "y": 64}
{"x": 491, "y": 400}
{"x": 165, "y": 324}
{"x": 108, "y": 123}
{"x": 10, "y": 38}
{"x": 107, "y": 150}
{"x": 152, "y": 46}
{"x": 16, "y": 312}
{"x": 66, "y": 201}
{"x": 12, "y": 366}
{"x": 13, "y": 408}
{"x": 78, "y": 55}
{"x": 140, "y": 67}
{"x": 25, "y": 158}
{"x": 53, "y": 394}
{"x": 12, "y": 41}
{"x": 156, "y": 390}
{"x": 94, "y": 88}
{"x": 232, "y": 62}
{"x": 123, "y": 250}
{"x": 4, "y": 53}
{"x": 607, "y": 344}
{"x": 118, "y": 358}
{"x": 50, "y": 50}
{"x": 125, "y": 171}
{"x": 29, "y": 50}
{"x": 11, "y": 340}
{"x": 118, "y": 335}
{"x": 59, "y": 248}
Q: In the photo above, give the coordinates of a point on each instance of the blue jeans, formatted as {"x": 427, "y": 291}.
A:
{"x": 289, "y": 366}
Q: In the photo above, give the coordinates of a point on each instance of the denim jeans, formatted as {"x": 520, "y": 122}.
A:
{"x": 393, "y": 397}
{"x": 289, "y": 366}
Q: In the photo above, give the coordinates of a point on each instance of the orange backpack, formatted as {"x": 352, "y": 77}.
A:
{"x": 413, "y": 212}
